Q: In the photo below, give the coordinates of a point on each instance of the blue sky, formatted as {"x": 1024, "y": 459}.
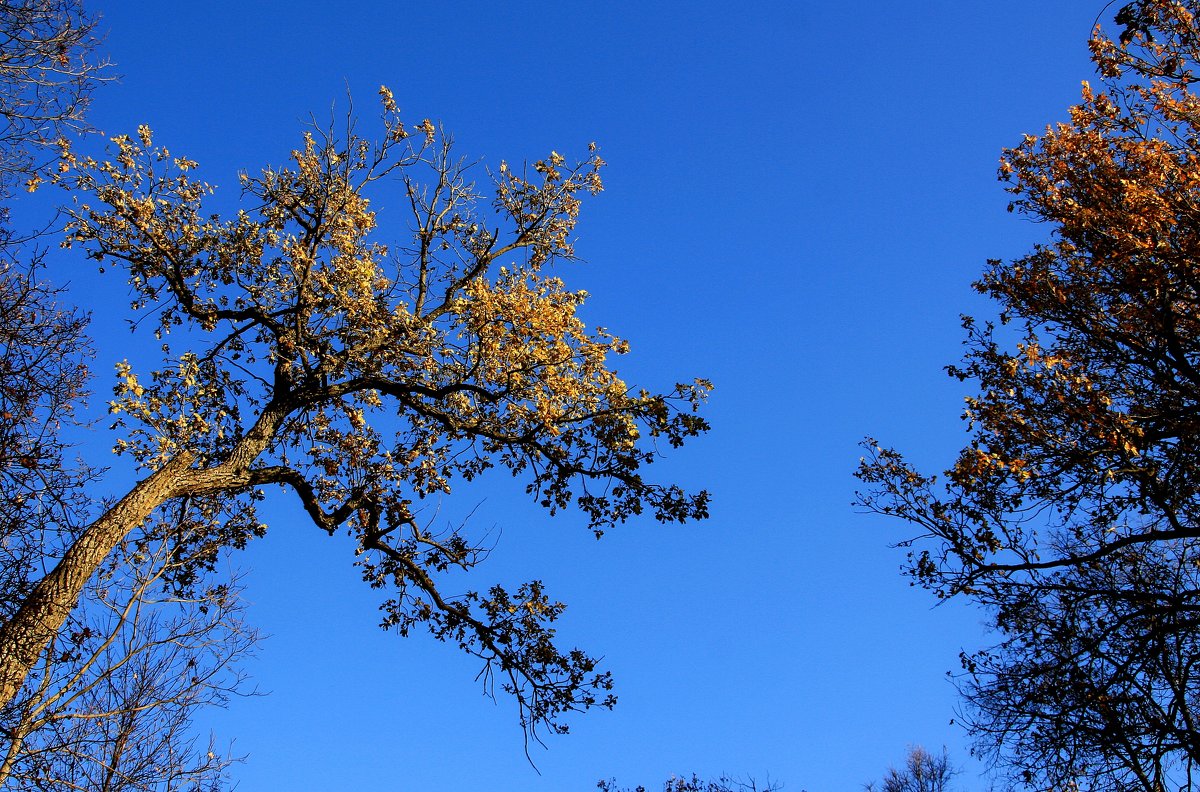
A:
{"x": 798, "y": 197}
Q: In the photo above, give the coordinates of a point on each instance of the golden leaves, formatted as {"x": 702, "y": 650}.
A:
{"x": 389, "y": 101}
{"x": 481, "y": 358}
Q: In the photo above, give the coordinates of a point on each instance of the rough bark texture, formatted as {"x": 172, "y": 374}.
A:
{"x": 23, "y": 638}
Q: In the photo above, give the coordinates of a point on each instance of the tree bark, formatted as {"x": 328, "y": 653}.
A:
{"x": 24, "y": 637}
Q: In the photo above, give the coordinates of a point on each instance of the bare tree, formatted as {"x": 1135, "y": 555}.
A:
{"x": 43, "y": 376}
{"x": 1095, "y": 683}
{"x": 722, "y": 783}
{"x": 48, "y": 71}
{"x": 110, "y": 705}
{"x": 922, "y": 772}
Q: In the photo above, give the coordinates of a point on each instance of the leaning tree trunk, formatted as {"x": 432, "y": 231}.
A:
{"x": 24, "y": 637}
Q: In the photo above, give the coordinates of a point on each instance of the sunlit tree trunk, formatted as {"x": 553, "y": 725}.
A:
{"x": 43, "y": 612}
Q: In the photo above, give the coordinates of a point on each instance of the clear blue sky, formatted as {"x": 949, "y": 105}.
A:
{"x": 799, "y": 194}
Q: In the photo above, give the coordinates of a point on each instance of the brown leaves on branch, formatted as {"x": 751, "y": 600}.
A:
{"x": 298, "y": 351}
{"x": 364, "y": 376}
{"x": 1073, "y": 514}
{"x": 481, "y": 351}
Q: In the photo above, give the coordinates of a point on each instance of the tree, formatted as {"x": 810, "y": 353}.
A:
{"x": 362, "y": 378}
{"x": 922, "y": 772}
{"x": 109, "y": 704}
{"x": 1096, "y": 677}
{"x": 47, "y": 75}
{"x": 1072, "y": 514}
{"x": 696, "y": 784}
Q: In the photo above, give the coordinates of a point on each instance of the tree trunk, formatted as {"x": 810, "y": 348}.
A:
{"x": 24, "y": 637}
